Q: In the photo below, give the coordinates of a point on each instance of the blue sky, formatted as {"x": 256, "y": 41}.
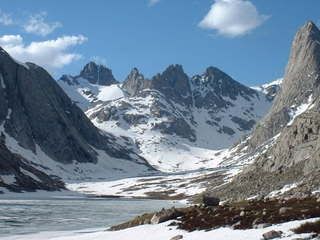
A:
{"x": 135, "y": 33}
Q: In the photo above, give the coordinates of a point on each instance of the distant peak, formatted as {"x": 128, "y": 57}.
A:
{"x": 135, "y": 74}
{"x": 310, "y": 26}
{"x": 97, "y": 74}
{"x": 93, "y": 66}
{"x": 174, "y": 68}
{"x": 135, "y": 71}
{"x": 309, "y": 30}
{"x": 212, "y": 70}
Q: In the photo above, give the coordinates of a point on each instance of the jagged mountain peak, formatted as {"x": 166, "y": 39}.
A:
{"x": 305, "y": 47}
{"x": 311, "y": 28}
{"x": 172, "y": 74}
{"x": 173, "y": 83}
{"x": 176, "y": 68}
{"x": 212, "y": 70}
{"x": 91, "y": 67}
{"x": 134, "y": 83}
{"x": 97, "y": 74}
{"x": 300, "y": 83}
{"x": 214, "y": 84}
{"x": 135, "y": 73}
{"x": 215, "y": 75}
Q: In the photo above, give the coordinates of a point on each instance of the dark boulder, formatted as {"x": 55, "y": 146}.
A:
{"x": 210, "y": 201}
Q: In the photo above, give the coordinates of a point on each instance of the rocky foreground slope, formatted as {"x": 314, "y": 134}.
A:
{"x": 44, "y": 133}
{"x": 289, "y": 134}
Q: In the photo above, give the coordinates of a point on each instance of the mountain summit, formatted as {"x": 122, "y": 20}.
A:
{"x": 285, "y": 144}
{"x": 98, "y": 74}
{"x": 300, "y": 82}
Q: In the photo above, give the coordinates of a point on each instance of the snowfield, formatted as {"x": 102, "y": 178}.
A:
{"x": 164, "y": 232}
{"x": 107, "y": 168}
{"x": 171, "y": 153}
{"x": 85, "y": 93}
{"x": 140, "y": 187}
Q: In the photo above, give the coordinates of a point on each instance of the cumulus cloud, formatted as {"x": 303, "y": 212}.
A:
{"x": 153, "y": 2}
{"x": 51, "y": 54}
{"x": 37, "y": 25}
{"x": 233, "y": 18}
{"x": 6, "y": 19}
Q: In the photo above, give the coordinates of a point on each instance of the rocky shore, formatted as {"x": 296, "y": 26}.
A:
{"x": 250, "y": 214}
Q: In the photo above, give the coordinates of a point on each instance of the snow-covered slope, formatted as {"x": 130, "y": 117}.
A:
{"x": 178, "y": 123}
{"x": 85, "y": 94}
{"x": 270, "y": 89}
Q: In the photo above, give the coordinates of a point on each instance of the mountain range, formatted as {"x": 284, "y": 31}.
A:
{"x": 177, "y": 122}
{"x": 94, "y": 127}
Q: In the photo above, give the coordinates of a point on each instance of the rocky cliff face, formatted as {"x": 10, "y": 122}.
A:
{"x": 301, "y": 81}
{"x": 289, "y": 162}
{"x": 37, "y": 116}
{"x": 17, "y": 174}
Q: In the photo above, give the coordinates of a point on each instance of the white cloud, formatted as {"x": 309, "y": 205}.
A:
{"x": 153, "y": 2}
{"x": 50, "y": 54}
{"x": 37, "y": 25}
{"x": 6, "y": 19}
{"x": 233, "y": 18}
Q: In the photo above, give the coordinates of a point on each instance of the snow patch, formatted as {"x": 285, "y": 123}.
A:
{"x": 296, "y": 111}
{"x": 84, "y": 93}
{"x": 3, "y": 85}
{"x": 30, "y": 174}
{"x": 263, "y": 88}
{"x": 110, "y": 93}
{"x": 283, "y": 190}
{"x": 8, "y": 179}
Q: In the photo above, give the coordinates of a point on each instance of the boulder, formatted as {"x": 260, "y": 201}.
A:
{"x": 178, "y": 237}
{"x": 210, "y": 201}
{"x": 284, "y": 210}
{"x": 165, "y": 215}
{"x": 272, "y": 235}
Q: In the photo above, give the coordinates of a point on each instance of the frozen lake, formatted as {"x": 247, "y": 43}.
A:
{"x": 30, "y": 215}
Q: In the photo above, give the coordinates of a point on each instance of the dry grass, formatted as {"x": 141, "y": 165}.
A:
{"x": 244, "y": 215}
{"x": 309, "y": 227}
{"x": 240, "y": 215}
